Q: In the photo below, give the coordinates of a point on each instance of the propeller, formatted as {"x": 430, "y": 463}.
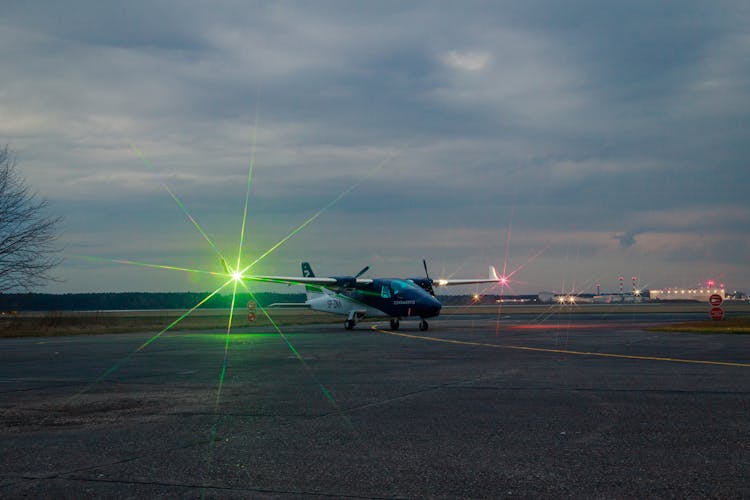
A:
{"x": 428, "y": 282}
{"x": 363, "y": 271}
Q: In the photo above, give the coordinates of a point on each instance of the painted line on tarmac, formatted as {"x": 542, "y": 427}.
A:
{"x": 560, "y": 351}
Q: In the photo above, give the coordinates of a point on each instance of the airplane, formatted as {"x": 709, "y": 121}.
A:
{"x": 356, "y": 297}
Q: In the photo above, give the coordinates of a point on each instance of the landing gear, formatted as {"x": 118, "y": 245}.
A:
{"x": 423, "y": 325}
{"x": 394, "y": 323}
{"x": 351, "y": 320}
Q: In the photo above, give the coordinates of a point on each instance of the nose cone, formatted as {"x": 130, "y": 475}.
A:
{"x": 430, "y": 307}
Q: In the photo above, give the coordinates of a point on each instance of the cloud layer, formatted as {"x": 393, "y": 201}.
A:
{"x": 613, "y": 136}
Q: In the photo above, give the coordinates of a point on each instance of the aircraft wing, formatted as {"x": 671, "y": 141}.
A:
{"x": 492, "y": 278}
{"x": 289, "y": 305}
{"x": 311, "y": 280}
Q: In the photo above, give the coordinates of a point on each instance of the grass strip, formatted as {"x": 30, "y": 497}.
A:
{"x": 735, "y": 326}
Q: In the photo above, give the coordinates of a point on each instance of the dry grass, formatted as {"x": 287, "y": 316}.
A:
{"x": 57, "y": 323}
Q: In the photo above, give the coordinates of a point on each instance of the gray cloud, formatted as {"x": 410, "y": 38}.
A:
{"x": 627, "y": 239}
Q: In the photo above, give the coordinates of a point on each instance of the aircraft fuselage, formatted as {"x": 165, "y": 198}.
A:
{"x": 393, "y": 298}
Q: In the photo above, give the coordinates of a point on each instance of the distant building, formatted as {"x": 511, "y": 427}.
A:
{"x": 546, "y": 297}
{"x": 696, "y": 294}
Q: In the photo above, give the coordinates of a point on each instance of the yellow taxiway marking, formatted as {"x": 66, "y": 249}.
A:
{"x": 560, "y": 351}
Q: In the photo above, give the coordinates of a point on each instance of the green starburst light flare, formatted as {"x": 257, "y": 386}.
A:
{"x": 236, "y": 276}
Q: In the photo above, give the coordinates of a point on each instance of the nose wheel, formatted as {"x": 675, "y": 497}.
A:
{"x": 423, "y": 326}
{"x": 394, "y": 324}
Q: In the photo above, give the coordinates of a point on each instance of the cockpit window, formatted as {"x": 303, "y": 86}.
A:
{"x": 398, "y": 285}
{"x": 385, "y": 292}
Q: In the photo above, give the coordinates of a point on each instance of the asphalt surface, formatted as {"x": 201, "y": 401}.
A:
{"x": 536, "y": 406}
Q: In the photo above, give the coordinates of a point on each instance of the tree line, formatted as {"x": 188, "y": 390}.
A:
{"x": 134, "y": 301}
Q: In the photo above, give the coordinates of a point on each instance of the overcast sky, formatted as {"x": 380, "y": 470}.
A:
{"x": 605, "y": 139}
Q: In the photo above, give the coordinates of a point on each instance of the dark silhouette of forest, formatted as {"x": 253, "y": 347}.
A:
{"x": 133, "y": 301}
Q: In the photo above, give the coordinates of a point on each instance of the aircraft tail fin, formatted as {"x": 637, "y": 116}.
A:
{"x": 310, "y": 290}
{"x": 493, "y": 274}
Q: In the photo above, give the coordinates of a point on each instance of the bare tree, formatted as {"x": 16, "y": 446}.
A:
{"x": 28, "y": 235}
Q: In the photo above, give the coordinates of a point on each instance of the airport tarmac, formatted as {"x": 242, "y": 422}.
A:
{"x": 556, "y": 405}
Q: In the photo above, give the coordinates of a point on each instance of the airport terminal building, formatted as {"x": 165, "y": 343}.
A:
{"x": 696, "y": 294}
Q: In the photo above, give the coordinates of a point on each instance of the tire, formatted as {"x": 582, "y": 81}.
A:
{"x": 423, "y": 325}
{"x": 394, "y": 323}
{"x": 348, "y": 324}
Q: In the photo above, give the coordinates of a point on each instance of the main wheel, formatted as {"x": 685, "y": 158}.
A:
{"x": 394, "y": 324}
{"x": 423, "y": 325}
{"x": 348, "y": 324}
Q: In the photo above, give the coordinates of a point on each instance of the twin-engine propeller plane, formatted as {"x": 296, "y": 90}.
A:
{"x": 356, "y": 297}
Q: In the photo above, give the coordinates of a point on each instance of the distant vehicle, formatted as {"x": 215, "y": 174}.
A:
{"x": 356, "y": 297}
